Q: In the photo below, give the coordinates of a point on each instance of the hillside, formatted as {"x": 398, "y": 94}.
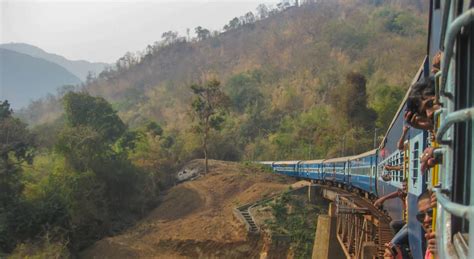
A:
{"x": 195, "y": 219}
{"x": 292, "y": 76}
{"x": 24, "y": 78}
{"x": 79, "y": 68}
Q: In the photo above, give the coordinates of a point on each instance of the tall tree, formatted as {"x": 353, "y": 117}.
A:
{"x": 16, "y": 146}
{"x": 209, "y": 106}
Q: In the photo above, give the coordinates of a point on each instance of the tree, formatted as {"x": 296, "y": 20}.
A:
{"x": 84, "y": 110}
{"x": 16, "y": 147}
{"x": 262, "y": 11}
{"x": 249, "y": 18}
{"x": 202, "y": 33}
{"x": 233, "y": 24}
{"x": 386, "y": 100}
{"x": 209, "y": 106}
{"x": 169, "y": 37}
{"x": 351, "y": 101}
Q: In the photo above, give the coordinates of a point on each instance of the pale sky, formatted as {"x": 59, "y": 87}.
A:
{"x": 104, "y": 30}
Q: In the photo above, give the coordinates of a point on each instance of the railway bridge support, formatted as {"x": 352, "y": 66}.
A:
{"x": 358, "y": 229}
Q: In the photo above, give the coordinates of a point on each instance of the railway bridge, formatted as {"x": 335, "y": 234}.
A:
{"x": 361, "y": 230}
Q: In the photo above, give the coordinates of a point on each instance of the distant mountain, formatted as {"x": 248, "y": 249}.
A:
{"x": 80, "y": 68}
{"x": 23, "y": 77}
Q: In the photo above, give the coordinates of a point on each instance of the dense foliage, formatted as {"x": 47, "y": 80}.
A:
{"x": 82, "y": 189}
{"x": 294, "y": 217}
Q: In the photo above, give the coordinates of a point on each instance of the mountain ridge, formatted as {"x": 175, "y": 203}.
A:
{"x": 24, "y": 78}
{"x": 79, "y": 68}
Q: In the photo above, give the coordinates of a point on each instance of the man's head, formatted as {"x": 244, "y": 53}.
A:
{"x": 425, "y": 212}
{"x": 405, "y": 186}
{"x": 421, "y": 104}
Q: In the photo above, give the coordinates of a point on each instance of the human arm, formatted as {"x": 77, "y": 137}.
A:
{"x": 382, "y": 199}
{"x": 393, "y": 167}
{"x": 402, "y": 137}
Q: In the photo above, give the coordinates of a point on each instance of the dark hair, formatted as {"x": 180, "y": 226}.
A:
{"x": 413, "y": 103}
{"x": 422, "y": 88}
{"x": 425, "y": 195}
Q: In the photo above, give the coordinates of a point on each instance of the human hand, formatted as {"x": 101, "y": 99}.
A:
{"x": 378, "y": 202}
{"x": 392, "y": 251}
{"x": 431, "y": 243}
{"x": 434, "y": 200}
{"x": 417, "y": 121}
{"x": 427, "y": 159}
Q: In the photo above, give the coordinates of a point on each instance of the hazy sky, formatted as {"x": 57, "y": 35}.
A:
{"x": 103, "y": 30}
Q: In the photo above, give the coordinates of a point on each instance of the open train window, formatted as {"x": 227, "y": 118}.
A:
{"x": 464, "y": 98}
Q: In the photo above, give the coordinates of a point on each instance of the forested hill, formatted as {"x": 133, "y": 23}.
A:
{"x": 296, "y": 77}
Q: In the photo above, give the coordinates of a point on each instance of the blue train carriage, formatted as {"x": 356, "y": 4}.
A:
{"x": 454, "y": 215}
{"x": 336, "y": 170}
{"x": 363, "y": 172}
{"x": 407, "y": 161}
{"x": 289, "y": 168}
{"x": 311, "y": 170}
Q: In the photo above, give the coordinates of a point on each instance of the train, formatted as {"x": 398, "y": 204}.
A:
{"x": 450, "y": 32}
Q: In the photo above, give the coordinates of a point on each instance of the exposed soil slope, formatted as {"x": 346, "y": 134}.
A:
{"x": 195, "y": 218}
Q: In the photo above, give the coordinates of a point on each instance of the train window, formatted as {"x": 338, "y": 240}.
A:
{"x": 437, "y": 4}
{"x": 414, "y": 167}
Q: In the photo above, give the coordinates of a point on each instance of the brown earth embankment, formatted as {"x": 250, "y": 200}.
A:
{"x": 195, "y": 218}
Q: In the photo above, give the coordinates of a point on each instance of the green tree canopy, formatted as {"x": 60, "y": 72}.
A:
{"x": 81, "y": 109}
{"x": 208, "y": 109}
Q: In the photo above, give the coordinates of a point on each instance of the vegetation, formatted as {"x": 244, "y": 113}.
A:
{"x": 303, "y": 82}
{"x": 279, "y": 66}
{"x": 82, "y": 189}
{"x": 208, "y": 109}
{"x": 295, "y": 218}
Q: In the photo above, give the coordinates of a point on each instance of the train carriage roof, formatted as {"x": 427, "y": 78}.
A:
{"x": 318, "y": 161}
{"x": 338, "y": 159}
{"x": 265, "y": 162}
{"x": 365, "y": 154}
{"x": 287, "y": 162}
